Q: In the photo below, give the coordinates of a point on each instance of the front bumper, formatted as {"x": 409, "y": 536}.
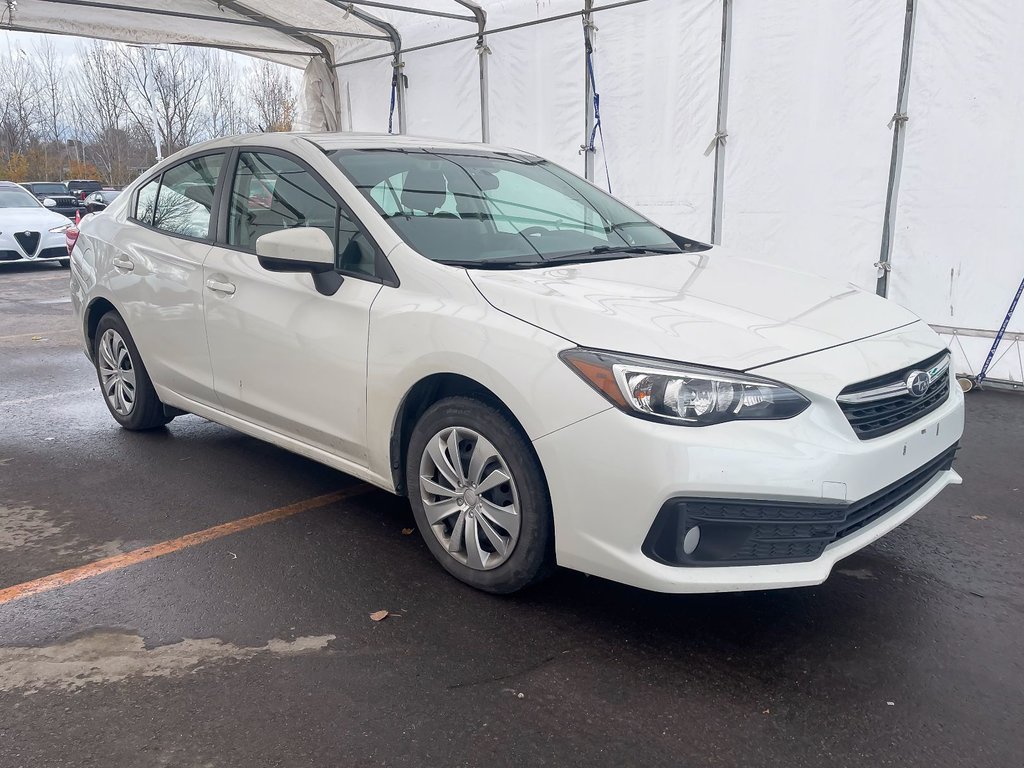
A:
{"x": 50, "y": 247}
{"x": 610, "y": 474}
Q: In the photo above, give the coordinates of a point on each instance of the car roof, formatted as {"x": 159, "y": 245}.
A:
{"x": 346, "y": 140}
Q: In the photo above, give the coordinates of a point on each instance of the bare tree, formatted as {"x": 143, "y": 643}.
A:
{"x": 167, "y": 84}
{"x": 52, "y": 105}
{"x": 273, "y": 97}
{"x": 103, "y": 122}
{"x": 101, "y": 113}
{"x": 224, "y": 102}
{"x": 18, "y": 104}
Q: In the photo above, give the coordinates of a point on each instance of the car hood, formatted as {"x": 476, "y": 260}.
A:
{"x": 712, "y": 308}
{"x": 34, "y": 219}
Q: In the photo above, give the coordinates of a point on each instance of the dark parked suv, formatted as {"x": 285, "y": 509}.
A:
{"x": 66, "y": 203}
{"x": 82, "y": 188}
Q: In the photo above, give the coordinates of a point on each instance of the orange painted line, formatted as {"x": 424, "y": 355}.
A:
{"x": 141, "y": 555}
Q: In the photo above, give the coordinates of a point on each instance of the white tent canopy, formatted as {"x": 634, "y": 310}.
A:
{"x": 873, "y": 141}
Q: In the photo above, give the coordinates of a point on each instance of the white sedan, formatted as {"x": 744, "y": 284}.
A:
{"x": 29, "y": 231}
{"x": 548, "y": 376}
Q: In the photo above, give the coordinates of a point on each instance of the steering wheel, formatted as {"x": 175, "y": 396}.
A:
{"x": 534, "y": 231}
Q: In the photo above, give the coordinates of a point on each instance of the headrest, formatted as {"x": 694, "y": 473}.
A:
{"x": 424, "y": 190}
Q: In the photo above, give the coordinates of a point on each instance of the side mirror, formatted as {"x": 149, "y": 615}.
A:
{"x": 49, "y": 202}
{"x": 301, "y": 249}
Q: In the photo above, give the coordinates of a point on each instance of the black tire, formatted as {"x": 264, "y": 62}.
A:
{"x": 532, "y": 558}
{"x": 146, "y": 412}
{"x": 64, "y": 263}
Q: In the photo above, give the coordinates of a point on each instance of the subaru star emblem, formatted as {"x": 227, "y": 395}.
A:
{"x": 917, "y": 383}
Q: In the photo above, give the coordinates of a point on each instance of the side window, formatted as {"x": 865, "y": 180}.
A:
{"x": 145, "y": 204}
{"x": 187, "y": 191}
{"x": 271, "y": 192}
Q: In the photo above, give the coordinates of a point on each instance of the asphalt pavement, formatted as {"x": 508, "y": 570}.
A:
{"x": 255, "y": 646}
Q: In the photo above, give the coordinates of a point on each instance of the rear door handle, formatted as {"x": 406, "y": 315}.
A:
{"x": 218, "y": 287}
{"x": 126, "y": 264}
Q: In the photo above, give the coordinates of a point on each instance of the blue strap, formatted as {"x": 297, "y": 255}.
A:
{"x": 394, "y": 98}
{"x": 597, "y": 130}
{"x": 1000, "y": 334}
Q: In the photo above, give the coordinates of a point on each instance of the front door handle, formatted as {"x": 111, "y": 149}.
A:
{"x": 217, "y": 286}
{"x": 121, "y": 263}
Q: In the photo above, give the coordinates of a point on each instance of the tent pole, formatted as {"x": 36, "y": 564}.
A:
{"x": 588, "y": 126}
{"x": 494, "y": 31}
{"x": 397, "y": 65}
{"x": 718, "y": 142}
{"x": 899, "y": 131}
{"x": 481, "y": 48}
{"x": 253, "y": 19}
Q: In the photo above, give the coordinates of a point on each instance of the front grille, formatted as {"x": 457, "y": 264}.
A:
{"x": 744, "y": 532}
{"x": 879, "y": 417}
{"x": 28, "y": 241}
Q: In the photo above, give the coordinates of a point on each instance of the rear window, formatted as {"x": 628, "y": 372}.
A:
{"x": 49, "y": 189}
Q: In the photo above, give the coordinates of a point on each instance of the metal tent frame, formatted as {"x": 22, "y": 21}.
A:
{"x": 265, "y": 29}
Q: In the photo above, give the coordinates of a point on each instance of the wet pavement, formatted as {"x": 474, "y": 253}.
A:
{"x": 256, "y": 649}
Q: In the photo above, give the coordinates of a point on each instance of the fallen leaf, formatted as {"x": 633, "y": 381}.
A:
{"x": 979, "y": 517}
{"x": 406, "y": 531}
{"x": 37, "y": 338}
{"x": 378, "y": 615}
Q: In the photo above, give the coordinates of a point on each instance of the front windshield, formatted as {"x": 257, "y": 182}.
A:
{"x": 49, "y": 189}
{"x": 475, "y": 207}
{"x": 14, "y": 197}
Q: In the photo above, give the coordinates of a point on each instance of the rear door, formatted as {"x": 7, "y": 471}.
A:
{"x": 156, "y": 271}
{"x": 285, "y": 356}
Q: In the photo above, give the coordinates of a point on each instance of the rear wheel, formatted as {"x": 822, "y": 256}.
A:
{"x": 479, "y": 497}
{"x": 126, "y": 386}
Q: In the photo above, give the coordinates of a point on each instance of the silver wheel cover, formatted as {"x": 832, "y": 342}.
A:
{"x": 469, "y": 498}
{"x": 117, "y": 372}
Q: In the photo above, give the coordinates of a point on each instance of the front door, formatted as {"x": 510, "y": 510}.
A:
{"x": 285, "y": 356}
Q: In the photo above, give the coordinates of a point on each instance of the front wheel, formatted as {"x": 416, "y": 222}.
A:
{"x": 64, "y": 263}
{"x": 479, "y": 496}
{"x": 127, "y": 388}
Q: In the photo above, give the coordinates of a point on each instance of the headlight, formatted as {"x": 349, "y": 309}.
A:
{"x": 62, "y": 228}
{"x": 682, "y": 394}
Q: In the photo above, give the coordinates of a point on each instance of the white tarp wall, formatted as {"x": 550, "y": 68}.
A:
{"x": 811, "y": 92}
{"x": 959, "y": 248}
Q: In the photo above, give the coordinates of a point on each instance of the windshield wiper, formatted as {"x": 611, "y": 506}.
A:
{"x": 613, "y": 252}
{"x": 597, "y": 253}
{"x": 502, "y": 263}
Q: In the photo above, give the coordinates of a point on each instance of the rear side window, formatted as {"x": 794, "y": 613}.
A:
{"x": 185, "y": 203}
{"x": 145, "y": 205}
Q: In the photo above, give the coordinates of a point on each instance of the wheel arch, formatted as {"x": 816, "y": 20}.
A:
{"x": 97, "y": 308}
{"x": 423, "y": 394}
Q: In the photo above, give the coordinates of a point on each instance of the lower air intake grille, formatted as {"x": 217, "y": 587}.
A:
{"x": 751, "y": 532}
